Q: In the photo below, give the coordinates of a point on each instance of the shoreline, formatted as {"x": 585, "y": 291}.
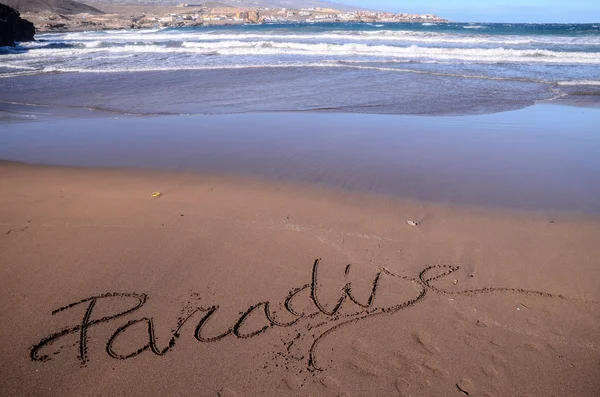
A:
{"x": 71, "y": 86}
{"x": 561, "y": 100}
{"x": 527, "y": 165}
{"x": 317, "y": 190}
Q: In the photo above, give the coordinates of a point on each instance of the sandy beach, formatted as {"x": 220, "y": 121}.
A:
{"x": 298, "y": 209}
{"x": 232, "y": 286}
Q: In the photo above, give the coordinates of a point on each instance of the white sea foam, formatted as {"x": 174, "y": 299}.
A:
{"x": 377, "y": 35}
{"x": 383, "y": 50}
{"x": 579, "y": 82}
{"x": 161, "y": 67}
{"x": 19, "y": 74}
{"x": 265, "y": 48}
{"x": 15, "y": 66}
{"x": 277, "y": 66}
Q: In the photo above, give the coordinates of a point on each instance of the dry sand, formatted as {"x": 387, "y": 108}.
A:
{"x": 213, "y": 289}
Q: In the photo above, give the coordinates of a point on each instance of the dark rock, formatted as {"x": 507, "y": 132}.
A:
{"x": 69, "y": 7}
{"x": 55, "y": 26}
{"x": 13, "y": 28}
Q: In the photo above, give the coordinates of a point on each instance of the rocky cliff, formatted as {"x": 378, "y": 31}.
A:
{"x": 13, "y": 28}
{"x": 54, "y": 6}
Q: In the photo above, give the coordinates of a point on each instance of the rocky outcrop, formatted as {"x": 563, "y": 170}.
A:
{"x": 13, "y": 28}
{"x": 68, "y": 7}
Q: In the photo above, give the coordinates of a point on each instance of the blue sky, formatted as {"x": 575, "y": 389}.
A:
{"x": 494, "y": 10}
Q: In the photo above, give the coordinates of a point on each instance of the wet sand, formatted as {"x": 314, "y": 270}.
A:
{"x": 542, "y": 158}
{"x": 215, "y": 288}
{"x": 278, "y": 259}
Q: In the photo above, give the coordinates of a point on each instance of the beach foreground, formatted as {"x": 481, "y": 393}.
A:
{"x": 230, "y": 286}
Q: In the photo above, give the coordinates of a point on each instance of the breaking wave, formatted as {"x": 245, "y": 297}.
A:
{"x": 377, "y": 35}
{"x": 565, "y": 55}
{"x": 274, "y": 48}
{"x": 580, "y": 82}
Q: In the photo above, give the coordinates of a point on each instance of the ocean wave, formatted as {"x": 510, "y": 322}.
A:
{"x": 12, "y": 50}
{"x": 579, "y": 82}
{"x": 20, "y": 74}
{"x": 57, "y": 69}
{"x": 273, "y": 48}
{"x": 8, "y": 65}
{"x": 352, "y": 65}
{"x": 449, "y": 51}
{"x": 377, "y": 35}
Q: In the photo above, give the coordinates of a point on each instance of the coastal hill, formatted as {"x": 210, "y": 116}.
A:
{"x": 54, "y": 6}
{"x": 68, "y": 15}
{"x": 291, "y": 4}
{"x": 294, "y": 4}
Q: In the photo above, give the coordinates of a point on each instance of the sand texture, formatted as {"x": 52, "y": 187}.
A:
{"x": 233, "y": 287}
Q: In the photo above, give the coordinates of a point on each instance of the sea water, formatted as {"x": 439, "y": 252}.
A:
{"x": 393, "y": 68}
